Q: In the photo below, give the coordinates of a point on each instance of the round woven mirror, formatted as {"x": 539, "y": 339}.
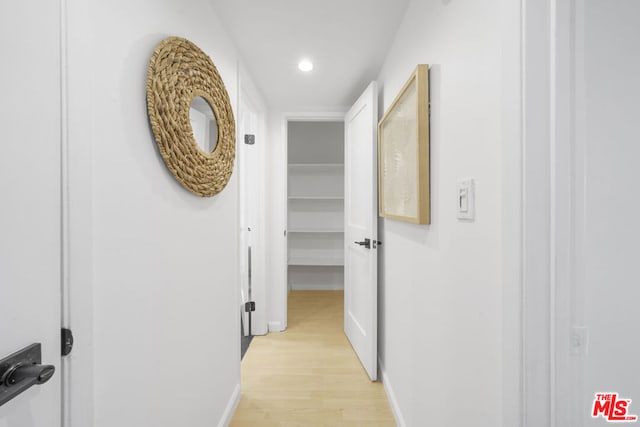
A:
{"x": 180, "y": 77}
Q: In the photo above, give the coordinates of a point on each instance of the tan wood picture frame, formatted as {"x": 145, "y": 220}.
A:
{"x": 403, "y": 153}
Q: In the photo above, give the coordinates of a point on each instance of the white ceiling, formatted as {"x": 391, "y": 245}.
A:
{"x": 346, "y": 40}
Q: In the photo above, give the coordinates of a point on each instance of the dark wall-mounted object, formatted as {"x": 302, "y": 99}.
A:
{"x": 21, "y": 370}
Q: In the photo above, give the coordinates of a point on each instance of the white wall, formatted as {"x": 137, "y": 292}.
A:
{"x": 164, "y": 263}
{"x": 440, "y": 285}
{"x": 604, "y": 289}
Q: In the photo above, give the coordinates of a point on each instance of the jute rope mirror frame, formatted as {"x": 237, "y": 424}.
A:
{"x": 178, "y": 72}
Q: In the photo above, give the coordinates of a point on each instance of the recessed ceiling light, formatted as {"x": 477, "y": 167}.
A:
{"x": 305, "y": 65}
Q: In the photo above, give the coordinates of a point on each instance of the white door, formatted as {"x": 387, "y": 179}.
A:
{"x": 361, "y": 223}
{"x": 248, "y": 163}
{"x": 30, "y": 242}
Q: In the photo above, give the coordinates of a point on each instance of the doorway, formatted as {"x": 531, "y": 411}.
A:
{"x": 352, "y": 220}
{"x": 251, "y": 167}
{"x": 315, "y": 205}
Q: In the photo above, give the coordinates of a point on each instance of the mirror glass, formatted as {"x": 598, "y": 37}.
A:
{"x": 204, "y": 124}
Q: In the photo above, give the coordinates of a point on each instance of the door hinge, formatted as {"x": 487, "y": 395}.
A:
{"x": 249, "y": 139}
{"x": 249, "y": 306}
{"x": 66, "y": 341}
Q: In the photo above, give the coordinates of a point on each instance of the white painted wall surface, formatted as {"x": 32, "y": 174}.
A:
{"x": 164, "y": 265}
{"x": 440, "y": 285}
{"x": 605, "y": 294}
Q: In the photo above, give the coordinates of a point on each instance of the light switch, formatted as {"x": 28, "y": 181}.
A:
{"x": 463, "y": 200}
{"x": 466, "y": 199}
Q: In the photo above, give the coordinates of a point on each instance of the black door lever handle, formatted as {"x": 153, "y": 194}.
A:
{"x": 21, "y": 370}
{"x": 37, "y": 374}
{"x": 366, "y": 243}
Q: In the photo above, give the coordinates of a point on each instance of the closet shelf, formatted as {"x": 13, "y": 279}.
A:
{"x": 315, "y": 230}
{"x": 316, "y": 166}
{"x": 315, "y": 213}
{"x": 316, "y": 197}
{"x": 320, "y": 261}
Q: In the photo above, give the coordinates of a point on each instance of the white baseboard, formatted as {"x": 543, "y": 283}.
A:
{"x": 275, "y": 326}
{"x": 391, "y": 396}
{"x": 231, "y": 407}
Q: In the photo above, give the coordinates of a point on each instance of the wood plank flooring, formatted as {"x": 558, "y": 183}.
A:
{"x": 309, "y": 374}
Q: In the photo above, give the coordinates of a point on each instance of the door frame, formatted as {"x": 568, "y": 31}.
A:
{"x": 248, "y": 99}
{"x": 77, "y": 286}
{"x": 77, "y": 369}
{"x": 547, "y": 149}
{"x": 281, "y": 286}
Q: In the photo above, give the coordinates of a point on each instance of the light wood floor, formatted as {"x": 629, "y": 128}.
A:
{"x": 309, "y": 374}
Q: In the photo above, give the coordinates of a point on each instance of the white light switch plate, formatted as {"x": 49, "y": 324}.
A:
{"x": 466, "y": 199}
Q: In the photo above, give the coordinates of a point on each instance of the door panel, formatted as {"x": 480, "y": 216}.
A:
{"x": 30, "y": 192}
{"x": 250, "y": 207}
{"x": 357, "y": 308}
{"x": 361, "y": 278}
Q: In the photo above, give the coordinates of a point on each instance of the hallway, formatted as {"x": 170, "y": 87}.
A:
{"x": 309, "y": 374}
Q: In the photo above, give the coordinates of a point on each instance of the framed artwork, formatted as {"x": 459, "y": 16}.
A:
{"x": 403, "y": 153}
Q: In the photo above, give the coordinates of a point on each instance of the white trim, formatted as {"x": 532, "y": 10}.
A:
{"x": 548, "y": 148}
{"x": 512, "y": 214}
{"x": 391, "y": 396}
{"x": 232, "y": 405}
{"x": 562, "y": 213}
{"x": 77, "y": 82}
{"x": 65, "y": 235}
{"x": 275, "y": 327}
{"x": 283, "y": 289}
{"x": 553, "y": 177}
{"x": 546, "y": 56}
{"x": 536, "y": 213}
{"x": 249, "y": 99}
{"x": 64, "y": 158}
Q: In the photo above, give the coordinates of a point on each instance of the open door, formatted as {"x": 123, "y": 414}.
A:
{"x": 361, "y": 229}
{"x": 249, "y": 196}
{"x": 30, "y": 216}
